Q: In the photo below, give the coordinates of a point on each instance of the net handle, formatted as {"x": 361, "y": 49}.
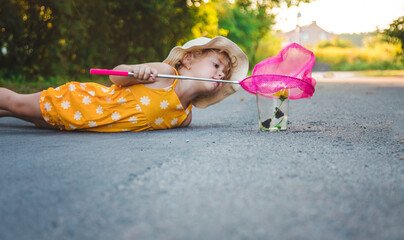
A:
{"x": 124, "y": 73}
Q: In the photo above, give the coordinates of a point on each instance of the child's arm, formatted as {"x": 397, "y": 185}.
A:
{"x": 143, "y": 73}
{"x": 187, "y": 121}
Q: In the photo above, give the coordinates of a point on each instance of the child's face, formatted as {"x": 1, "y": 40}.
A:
{"x": 210, "y": 65}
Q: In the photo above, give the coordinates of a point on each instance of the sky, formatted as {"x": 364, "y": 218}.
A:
{"x": 342, "y": 16}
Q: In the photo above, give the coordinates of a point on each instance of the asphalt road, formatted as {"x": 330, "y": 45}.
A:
{"x": 336, "y": 173}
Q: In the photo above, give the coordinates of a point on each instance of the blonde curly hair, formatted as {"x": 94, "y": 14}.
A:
{"x": 231, "y": 64}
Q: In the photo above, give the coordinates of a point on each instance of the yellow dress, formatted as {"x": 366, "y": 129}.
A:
{"x": 94, "y": 107}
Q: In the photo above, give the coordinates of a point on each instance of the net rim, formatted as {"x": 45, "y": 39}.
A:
{"x": 282, "y": 76}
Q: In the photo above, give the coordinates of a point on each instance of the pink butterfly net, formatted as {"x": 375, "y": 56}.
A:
{"x": 289, "y": 69}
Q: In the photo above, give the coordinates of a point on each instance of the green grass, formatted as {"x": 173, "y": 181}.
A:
{"x": 382, "y": 73}
{"x": 21, "y": 85}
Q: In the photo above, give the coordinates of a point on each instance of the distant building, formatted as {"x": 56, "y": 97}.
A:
{"x": 308, "y": 35}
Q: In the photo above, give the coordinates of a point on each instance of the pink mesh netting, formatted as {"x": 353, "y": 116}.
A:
{"x": 289, "y": 69}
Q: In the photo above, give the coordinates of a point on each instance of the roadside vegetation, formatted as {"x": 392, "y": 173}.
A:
{"x": 374, "y": 54}
{"x": 48, "y": 43}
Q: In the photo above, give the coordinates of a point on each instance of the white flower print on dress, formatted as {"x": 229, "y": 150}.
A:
{"x": 164, "y": 104}
{"x": 60, "y": 96}
{"x": 145, "y": 100}
{"x": 108, "y": 100}
{"x": 159, "y": 121}
{"x": 86, "y": 100}
{"x": 105, "y": 89}
{"x": 187, "y": 111}
{"x": 47, "y": 106}
{"x": 116, "y": 116}
{"x": 57, "y": 89}
{"x": 122, "y": 100}
{"x": 138, "y": 107}
{"x": 92, "y": 93}
{"x": 125, "y": 130}
{"x": 179, "y": 106}
{"x": 65, "y": 104}
{"x": 133, "y": 119}
{"x": 42, "y": 98}
{"x": 92, "y": 124}
{"x": 72, "y": 87}
{"x": 99, "y": 110}
{"x": 72, "y": 126}
{"x": 82, "y": 85}
{"x": 112, "y": 92}
{"x": 174, "y": 121}
{"x": 77, "y": 115}
{"x": 128, "y": 89}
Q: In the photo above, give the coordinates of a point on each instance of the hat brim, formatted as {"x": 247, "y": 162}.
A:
{"x": 239, "y": 71}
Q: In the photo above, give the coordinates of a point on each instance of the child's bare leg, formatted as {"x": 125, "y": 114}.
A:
{"x": 24, "y": 105}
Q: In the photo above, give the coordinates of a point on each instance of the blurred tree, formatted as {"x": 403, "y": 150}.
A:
{"x": 335, "y": 42}
{"x": 249, "y": 21}
{"x": 269, "y": 45}
{"x": 396, "y": 32}
{"x": 27, "y": 31}
{"x": 68, "y": 37}
{"x": 207, "y": 19}
{"x": 355, "y": 38}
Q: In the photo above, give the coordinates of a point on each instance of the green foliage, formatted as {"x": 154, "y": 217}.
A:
{"x": 246, "y": 27}
{"x": 355, "y": 38}
{"x": 335, "y": 42}
{"x": 395, "y": 32}
{"x": 376, "y": 54}
{"x": 22, "y": 85}
{"x": 269, "y": 46}
{"x": 26, "y": 33}
{"x": 249, "y": 21}
{"x": 69, "y": 37}
{"x": 206, "y": 20}
{"x": 43, "y": 39}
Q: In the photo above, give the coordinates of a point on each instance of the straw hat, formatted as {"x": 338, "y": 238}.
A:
{"x": 238, "y": 72}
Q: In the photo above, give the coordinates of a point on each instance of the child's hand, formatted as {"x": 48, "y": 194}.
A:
{"x": 144, "y": 73}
